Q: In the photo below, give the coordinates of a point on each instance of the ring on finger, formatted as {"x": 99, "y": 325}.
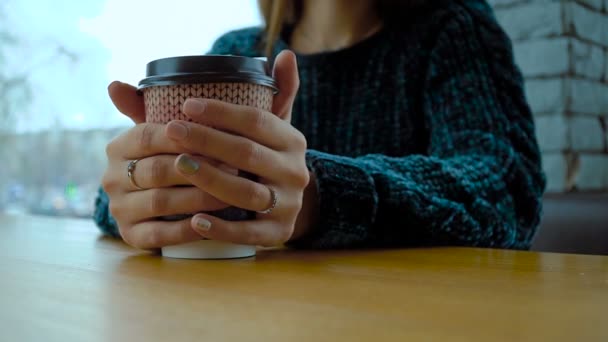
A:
{"x": 131, "y": 174}
{"x": 274, "y": 199}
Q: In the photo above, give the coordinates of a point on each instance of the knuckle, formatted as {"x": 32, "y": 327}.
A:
{"x": 197, "y": 198}
{"x": 249, "y": 153}
{"x": 200, "y": 198}
{"x": 158, "y": 171}
{"x": 283, "y": 236}
{"x": 115, "y": 209}
{"x": 208, "y": 180}
{"x": 300, "y": 141}
{"x": 302, "y": 178}
{"x": 259, "y": 120}
{"x": 197, "y": 137}
{"x": 144, "y": 137}
{"x": 297, "y": 204}
{"x": 107, "y": 183}
{"x": 158, "y": 202}
{"x": 110, "y": 148}
{"x": 256, "y": 194}
{"x": 299, "y": 176}
{"x": 203, "y": 137}
{"x": 255, "y": 237}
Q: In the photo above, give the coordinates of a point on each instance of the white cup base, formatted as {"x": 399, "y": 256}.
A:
{"x": 208, "y": 249}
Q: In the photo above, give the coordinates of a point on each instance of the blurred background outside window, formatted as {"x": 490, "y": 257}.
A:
{"x": 56, "y": 60}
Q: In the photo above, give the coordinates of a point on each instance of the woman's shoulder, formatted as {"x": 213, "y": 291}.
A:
{"x": 466, "y": 15}
{"x": 477, "y": 12}
{"x": 242, "y": 42}
{"x": 472, "y": 22}
{"x": 460, "y": 21}
{"x": 441, "y": 14}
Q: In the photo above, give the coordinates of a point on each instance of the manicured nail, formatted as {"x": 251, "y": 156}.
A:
{"x": 187, "y": 165}
{"x": 192, "y": 106}
{"x": 112, "y": 85}
{"x": 176, "y": 130}
{"x": 201, "y": 225}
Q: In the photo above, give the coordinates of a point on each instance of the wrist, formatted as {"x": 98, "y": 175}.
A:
{"x": 309, "y": 213}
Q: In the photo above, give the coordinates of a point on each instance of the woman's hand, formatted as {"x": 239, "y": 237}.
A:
{"x": 137, "y": 210}
{"x": 253, "y": 140}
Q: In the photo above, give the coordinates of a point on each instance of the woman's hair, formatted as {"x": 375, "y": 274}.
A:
{"x": 279, "y": 13}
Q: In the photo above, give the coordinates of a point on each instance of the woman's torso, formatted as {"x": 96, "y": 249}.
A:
{"x": 365, "y": 99}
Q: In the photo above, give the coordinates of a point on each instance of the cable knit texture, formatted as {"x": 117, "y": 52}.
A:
{"x": 419, "y": 135}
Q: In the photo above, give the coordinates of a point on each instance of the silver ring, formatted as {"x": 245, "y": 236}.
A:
{"x": 274, "y": 200}
{"x": 131, "y": 171}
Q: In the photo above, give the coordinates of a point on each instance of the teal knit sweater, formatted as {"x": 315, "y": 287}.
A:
{"x": 420, "y": 135}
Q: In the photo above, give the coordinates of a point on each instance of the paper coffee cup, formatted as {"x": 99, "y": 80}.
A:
{"x": 171, "y": 81}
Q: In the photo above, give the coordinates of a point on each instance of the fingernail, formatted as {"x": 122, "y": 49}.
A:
{"x": 113, "y": 84}
{"x": 176, "y": 130}
{"x": 187, "y": 165}
{"x": 193, "y": 106}
{"x": 201, "y": 224}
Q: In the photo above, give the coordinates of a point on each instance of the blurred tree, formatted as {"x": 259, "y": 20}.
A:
{"x": 15, "y": 90}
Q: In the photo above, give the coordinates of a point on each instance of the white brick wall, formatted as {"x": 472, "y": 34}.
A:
{"x": 605, "y": 127}
{"x": 606, "y": 65}
{"x": 587, "y": 23}
{"x": 586, "y": 134}
{"x": 552, "y": 133}
{"x": 556, "y": 133}
{"x": 543, "y": 57}
{"x": 555, "y": 166}
{"x": 588, "y": 60}
{"x": 587, "y": 97}
{"x": 546, "y": 95}
{"x": 502, "y": 3}
{"x": 592, "y": 173}
{"x": 510, "y": 3}
{"x": 562, "y": 48}
{"x": 596, "y": 4}
{"x": 531, "y": 20}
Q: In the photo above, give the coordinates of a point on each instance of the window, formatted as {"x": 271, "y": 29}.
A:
{"x": 56, "y": 60}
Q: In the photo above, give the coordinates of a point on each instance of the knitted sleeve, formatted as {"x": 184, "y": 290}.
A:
{"x": 480, "y": 181}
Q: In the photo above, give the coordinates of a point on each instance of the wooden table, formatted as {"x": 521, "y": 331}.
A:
{"x": 61, "y": 281}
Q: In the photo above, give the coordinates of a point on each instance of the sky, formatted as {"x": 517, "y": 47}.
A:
{"x": 106, "y": 40}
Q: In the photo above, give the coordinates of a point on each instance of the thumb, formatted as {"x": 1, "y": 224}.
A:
{"x": 127, "y": 101}
{"x": 286, "y": 75}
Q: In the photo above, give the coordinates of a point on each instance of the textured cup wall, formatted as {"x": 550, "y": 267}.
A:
{"x": 164, "y": 103}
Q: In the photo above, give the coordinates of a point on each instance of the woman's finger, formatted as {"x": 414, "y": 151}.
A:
{"x": 127, "y": 101}
{"x": 159, "y": 172}
{"x": 260, "y": 126}
{"x": 166, "y": 202}
{"x": 143, "y": 140}
{"x": 157, "y": 234}
{"x": 230, "y": 189}
{"x": 153, "y": 172}
{"x": 236, "y": 151}
{"x": 285, "y": 72}
{"x": 259, "y": 232}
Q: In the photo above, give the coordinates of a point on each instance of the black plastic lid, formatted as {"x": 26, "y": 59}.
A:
{"x": 207, "y": 69}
